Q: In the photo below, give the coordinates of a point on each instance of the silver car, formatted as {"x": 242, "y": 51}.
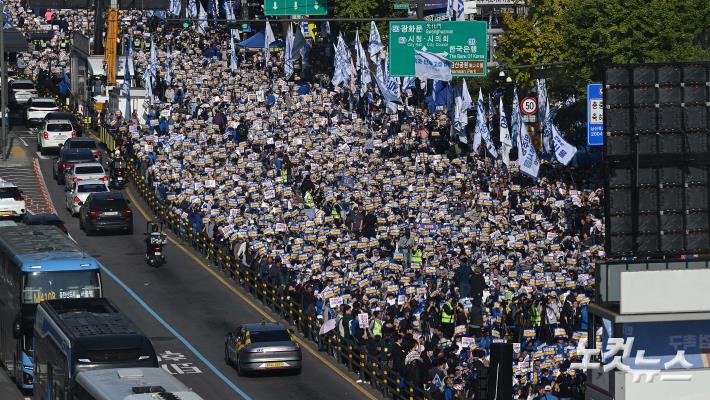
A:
{"x": 262, "y": 347}
{"x": 85, "y": 171}
{"x": 79, "y": 191}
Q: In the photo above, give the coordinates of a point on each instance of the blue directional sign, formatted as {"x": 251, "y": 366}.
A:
{"x": 595, "y": 115}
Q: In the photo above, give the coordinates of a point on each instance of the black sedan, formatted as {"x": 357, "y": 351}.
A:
{"x": 262, "y": 347}
{"x": 67, "y": 159}
{"x": 106, "y": 211}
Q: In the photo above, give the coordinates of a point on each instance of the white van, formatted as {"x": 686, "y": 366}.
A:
{"x": 12, "y": 203}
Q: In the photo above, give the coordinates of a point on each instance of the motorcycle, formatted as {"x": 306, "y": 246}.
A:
{"x": 119, "y": 177}
{"x": 155, "y": 240}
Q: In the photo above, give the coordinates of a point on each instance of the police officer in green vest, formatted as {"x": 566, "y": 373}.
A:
{"x": 417, "y": 255}
{"x": 376, "y": 325}
{"x": 335, "y": 210}
{"x": 308, "y": 200}
{"x": 448, "y": 318}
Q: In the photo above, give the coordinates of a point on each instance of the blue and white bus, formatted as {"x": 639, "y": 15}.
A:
{"x": 38, "y": 262}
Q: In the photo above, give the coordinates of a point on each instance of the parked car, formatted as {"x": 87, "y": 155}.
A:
{"x": 64, "y": 115}
{"x": 12, "y": 203}
{"x": 67, "y": 159}
{"x": 53, "y": 135}
{"x": 106, "y": 211}
{"x": 80, "y": 191}
{"x": 21, "y": 90}
{"x": 45, "y": 219}
{"x": 84, "y": 143}
{"x": 37, "y": 109}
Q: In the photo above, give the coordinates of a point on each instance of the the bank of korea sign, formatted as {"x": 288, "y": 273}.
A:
{"x": 464, "y": 43}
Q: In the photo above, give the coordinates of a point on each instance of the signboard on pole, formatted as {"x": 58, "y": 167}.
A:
{"x": 464, "y": 43}
{"x": 295, "y": 7}
{"x": 528, "y": 106}
{"x": 595, "y": 115}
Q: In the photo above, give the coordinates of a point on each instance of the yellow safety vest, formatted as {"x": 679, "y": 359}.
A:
{"x": 417, "y": 256}
{"x": 308, "y": 200}
{"x": 284, "y": 176}
{"x": 335, "y": 214}
{"x": 377, "y": 328}
{"x": 447, "y": 318}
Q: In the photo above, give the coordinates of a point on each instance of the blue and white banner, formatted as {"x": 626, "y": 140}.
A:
{"x": 153, "y": 60}
{"x": 527, "y": 157}
{"x": 233, "y": 64}
{"x": 542, "y": 111}
{"x": 363, "y": 69}
{"x": 458, "y": 10}
{"x": 288, "y": 61}
{"x": 506, "y": 143}
{"x": 268, "y": 39}
{"x": 203, "y": 23}
{"x": 342, "y": 63}
{"x": 212, "y": 10}
{"x": 229, "y": 10}
{"x": 482, "y": 126}
{"x": 169, "y": 69}
{"x": 375, "y": 46}
{"x": 462, "y": 103}
{"x": 191, "y": 9}
{"x": 515, "y": 118}
{"x": 126, "y": 87}
{"x": 175, "y": 7}
{"x": 431, "y": 66}
{"x": 389, "y": 88}
{"x": 298, "y": 46}
{"x": 564, "y": 152}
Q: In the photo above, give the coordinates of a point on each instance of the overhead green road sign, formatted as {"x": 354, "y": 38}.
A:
{"x": 464, "y": 43}
{"x": 295, "y": 7}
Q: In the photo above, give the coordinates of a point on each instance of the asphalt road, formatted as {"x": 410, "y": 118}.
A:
{"x": 186, "y": 311}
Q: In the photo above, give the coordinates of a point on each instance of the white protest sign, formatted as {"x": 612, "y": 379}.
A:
{"x": 363, "y": 320}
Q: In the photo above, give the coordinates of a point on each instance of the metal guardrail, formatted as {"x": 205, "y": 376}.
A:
{"x": 370, "y": 369}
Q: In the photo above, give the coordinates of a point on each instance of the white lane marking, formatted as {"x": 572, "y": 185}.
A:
{"x": 23, "y": 141}
{"x": 42, "y": 157}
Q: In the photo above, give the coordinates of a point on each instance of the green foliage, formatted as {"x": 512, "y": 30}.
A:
{"x": 589, "y": 34}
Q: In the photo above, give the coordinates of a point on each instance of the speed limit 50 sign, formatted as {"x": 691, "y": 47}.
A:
{"x": 528, "y": 106}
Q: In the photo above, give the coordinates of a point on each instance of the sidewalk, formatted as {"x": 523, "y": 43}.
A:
{"x": 22, "y": 168}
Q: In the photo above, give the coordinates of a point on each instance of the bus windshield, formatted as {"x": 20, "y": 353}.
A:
{"x": 39, "y": 286}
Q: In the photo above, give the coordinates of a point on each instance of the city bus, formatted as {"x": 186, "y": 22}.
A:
{"x": 38, "y": 262}
{"x": 130, "y": 383}
{"x": 76, "y": 335}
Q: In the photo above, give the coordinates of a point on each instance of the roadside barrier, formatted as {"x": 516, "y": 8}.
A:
{"x": 372, "y": 369}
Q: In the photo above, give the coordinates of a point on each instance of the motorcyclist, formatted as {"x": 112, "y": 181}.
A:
{"x": 117, "y": 162}
{"x": 155, "y": 236}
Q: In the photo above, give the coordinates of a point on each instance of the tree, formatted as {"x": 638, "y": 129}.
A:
{"x": 590, "y": 34}
{"x": 532, "y": 39}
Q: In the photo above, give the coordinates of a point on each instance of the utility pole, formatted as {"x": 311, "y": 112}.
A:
{"x": 420, "y": 9}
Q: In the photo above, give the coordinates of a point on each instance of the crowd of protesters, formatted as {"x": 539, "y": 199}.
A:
{"x": 391, "y": 235}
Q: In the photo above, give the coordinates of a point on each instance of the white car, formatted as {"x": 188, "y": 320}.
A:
{"x": 12, "y": 203}
{"x": 79, "y": 191}
{"x": 53, "y": 135}
{"x": 38, "y": 108}
{"x": 21, "y": 90}
{"x": 85, "y": 172}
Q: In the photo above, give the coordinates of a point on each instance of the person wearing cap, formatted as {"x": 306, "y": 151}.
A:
{"x": 545, "y": 393}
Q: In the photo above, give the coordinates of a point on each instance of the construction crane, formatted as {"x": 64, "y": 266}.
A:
{"x": 110, "y": 45}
